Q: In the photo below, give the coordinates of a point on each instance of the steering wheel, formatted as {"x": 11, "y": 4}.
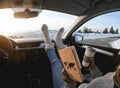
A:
{"x": 6, "y": 52}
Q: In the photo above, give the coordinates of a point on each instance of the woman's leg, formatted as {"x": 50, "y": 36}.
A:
{"x": 56, "y": 65}
{"x": 56, "y": 69}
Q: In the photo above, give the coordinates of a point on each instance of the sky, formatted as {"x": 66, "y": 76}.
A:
{"x": 105, "y": 21}
{"x": 54, "y": 20}
{"x": 9, "y": 24}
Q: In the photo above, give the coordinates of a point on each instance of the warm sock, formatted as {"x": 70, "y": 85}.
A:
{"x": 48, "y": 43}
{"x": 58, "y": 39}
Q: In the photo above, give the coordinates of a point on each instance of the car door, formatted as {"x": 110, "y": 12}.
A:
{"x": 101, "y": 33}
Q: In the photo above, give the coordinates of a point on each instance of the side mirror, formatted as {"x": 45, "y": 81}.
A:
{"x": 78, "y": 37}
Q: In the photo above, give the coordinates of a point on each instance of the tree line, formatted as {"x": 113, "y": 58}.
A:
{"x": 105, "y": 31}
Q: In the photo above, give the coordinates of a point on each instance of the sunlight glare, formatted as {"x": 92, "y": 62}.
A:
{"x": 9, "y": 24}
{"x": 54, "y": 20}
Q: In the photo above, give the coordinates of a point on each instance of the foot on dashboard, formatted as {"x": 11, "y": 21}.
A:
{"x": 58, "y": 39}
{"x": 47, "y": 40}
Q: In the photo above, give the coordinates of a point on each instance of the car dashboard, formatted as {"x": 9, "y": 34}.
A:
{"x": 29, "y": 68}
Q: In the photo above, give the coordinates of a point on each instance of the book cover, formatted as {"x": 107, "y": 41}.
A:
{"x": 71, "y": 63}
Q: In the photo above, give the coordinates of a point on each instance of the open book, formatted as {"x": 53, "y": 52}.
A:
{"x": 71, "y": 63}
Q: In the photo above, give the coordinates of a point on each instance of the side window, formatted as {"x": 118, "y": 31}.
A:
{"x": 103, "y": 30}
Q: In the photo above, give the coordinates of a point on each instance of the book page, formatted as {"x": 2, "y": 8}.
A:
{"x": 71, "y": 63}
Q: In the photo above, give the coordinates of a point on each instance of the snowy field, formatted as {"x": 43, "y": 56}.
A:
{"x": 95, "y": 35}
{"x": 105, "y": 40}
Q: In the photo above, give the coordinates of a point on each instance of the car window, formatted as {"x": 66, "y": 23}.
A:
{"x": 30, "y": 28}
{"x": 103, "y": 30}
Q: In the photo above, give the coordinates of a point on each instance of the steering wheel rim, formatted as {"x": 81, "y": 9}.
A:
{"x": 4, "y": 41}
{"x": 7, "y": 47}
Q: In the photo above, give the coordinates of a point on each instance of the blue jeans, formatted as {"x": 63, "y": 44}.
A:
{"x": 58, "y": 82}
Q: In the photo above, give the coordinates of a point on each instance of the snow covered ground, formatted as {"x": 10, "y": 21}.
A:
{"x": 105, "y": 40}
{"x": 96, "y": 35}
{"x": 115, "y": 44}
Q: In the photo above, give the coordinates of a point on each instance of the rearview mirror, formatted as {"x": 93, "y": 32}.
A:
{"x": 26, "y": 14}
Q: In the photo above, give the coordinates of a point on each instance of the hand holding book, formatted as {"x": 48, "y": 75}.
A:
{"x": 71, "y": 63}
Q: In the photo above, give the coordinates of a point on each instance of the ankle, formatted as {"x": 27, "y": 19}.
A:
{"x": 49, "y": 47}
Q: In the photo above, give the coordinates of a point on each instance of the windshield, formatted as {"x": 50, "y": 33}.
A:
{"x": 30, "y": 28}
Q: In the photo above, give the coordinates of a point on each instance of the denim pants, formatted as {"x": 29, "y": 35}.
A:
{"x": 58, "y": 82}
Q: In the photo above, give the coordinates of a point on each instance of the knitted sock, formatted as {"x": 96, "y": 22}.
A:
{"x": 48, "y": 43}
{"x": 58, "y": 39}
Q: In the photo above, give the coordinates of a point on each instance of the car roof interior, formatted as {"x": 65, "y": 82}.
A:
{"x": 74, "y": 7}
